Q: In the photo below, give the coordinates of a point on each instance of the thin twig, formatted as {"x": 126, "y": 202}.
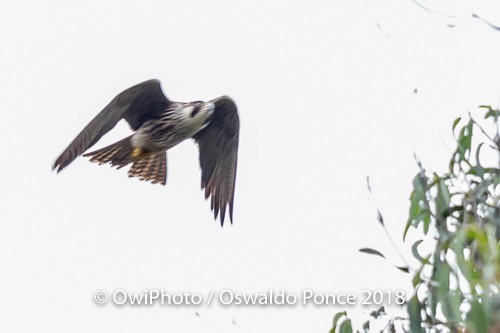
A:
{"x": 482, "y": 130}
{"x": 397, "y": 250}
{"x": 437, "y": 12}
{"x": 491, "y": 25}
{"x": 473, "y": 16}
{"x": 383, "y": 225}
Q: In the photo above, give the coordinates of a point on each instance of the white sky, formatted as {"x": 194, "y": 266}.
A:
{"x": 325, "y": 98}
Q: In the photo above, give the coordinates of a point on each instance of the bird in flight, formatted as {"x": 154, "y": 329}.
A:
{"x": 159, "y": 125}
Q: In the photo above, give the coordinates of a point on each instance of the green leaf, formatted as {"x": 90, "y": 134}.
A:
{"x": 366, "y": 326}
{"x": 336, "y": 319}
{"x": 414, "y": 310}
{"x": 478, "y": 169}
{"x": 403, "y": 269}
{"x": 443, "y": 198}
{"x": 492, "y": 113}
{"x": 415, "y": 198}
{"x": 414, "y": 250}
{"x": 416, "y": 280}
{"x": 346, "y": 326}
{"x": 467, "y": 268}
{"x": 442, "y": 278}
{"x": 380, "y": 218}
{"x": 482, "y": 188}
{"x": 424, "y": 216}
{"x": 478, "y": 318}
{"x": 418, "y": 210}
{"x": 371, "y": 251}
{"x": 407, "y": 227}
{"x": 451, "y": 165}
{"x": 450, "y": 305}
{"x": 455, "y": 123}
{"x": 432, "y": 302}
{"x": 478, "y": 150}
{"x": 420, "y": 184}
{"x": 465, "y": 139}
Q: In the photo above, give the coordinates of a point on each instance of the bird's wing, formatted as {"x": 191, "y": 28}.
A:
{"x": 136, "y": 105}
{"x": 218, "y": 144}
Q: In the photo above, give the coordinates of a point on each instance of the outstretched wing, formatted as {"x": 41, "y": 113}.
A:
{"x": 136, "y": 105}
{"x": 218, "y": 144}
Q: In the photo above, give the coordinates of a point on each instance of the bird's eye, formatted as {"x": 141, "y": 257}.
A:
{"x": 195, "y": 110}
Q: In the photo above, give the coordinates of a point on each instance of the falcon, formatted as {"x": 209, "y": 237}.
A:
{"x": 160, "y": 124}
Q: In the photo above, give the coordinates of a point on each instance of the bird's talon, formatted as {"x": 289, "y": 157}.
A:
{"x": 136, "y": 152}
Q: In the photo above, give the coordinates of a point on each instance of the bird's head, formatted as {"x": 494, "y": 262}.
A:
{"x": 199, "y": 112}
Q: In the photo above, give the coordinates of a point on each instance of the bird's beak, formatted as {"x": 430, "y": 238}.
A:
{"x": 208, "y": 108}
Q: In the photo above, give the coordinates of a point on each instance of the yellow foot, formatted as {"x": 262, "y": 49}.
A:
{"x": 136, "y": 152}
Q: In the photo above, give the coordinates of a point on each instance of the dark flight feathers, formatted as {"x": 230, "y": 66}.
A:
{"x": 136, "y": 105}
{"x": 218, "y": 144}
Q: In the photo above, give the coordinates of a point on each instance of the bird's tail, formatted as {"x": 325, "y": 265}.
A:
{"x": 149, "y": 166}
{"x": 118, "y": 154}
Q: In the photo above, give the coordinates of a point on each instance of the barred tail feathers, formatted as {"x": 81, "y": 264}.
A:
{"x": 118, "y": 154}
{"x": 149, "y": 166}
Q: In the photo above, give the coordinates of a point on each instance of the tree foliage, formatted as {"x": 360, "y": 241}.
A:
{"x": 458, "y": 212}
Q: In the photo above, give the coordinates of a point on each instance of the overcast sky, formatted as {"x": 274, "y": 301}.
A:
{"x": 325, "y": 91}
